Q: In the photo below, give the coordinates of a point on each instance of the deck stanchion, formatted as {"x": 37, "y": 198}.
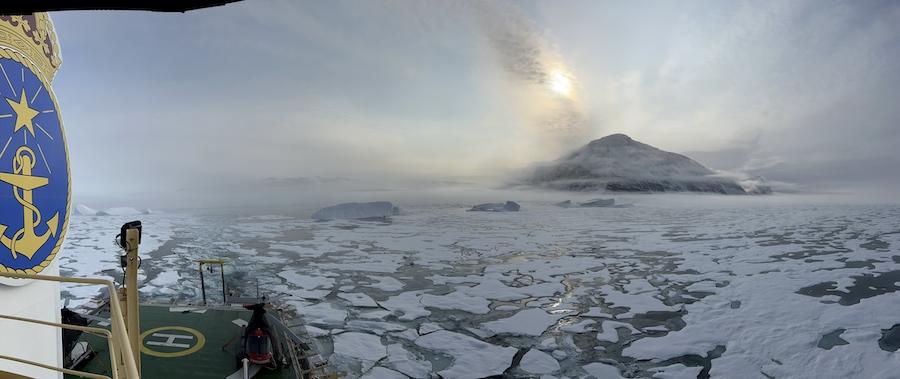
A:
{"x": 132, "y": 237}
{"x": 202, "y": 283}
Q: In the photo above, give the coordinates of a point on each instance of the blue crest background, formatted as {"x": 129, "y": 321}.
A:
{"x": 48, "y": 199}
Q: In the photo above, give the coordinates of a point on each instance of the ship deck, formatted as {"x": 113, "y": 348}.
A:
{"x": 182, "y": 342}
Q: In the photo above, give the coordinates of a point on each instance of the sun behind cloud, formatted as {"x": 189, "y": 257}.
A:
{"x": 560, "y": 83}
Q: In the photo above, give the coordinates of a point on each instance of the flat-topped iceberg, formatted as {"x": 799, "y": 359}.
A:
{"x": 120, "y": 211}
{"x": 370, "y": 210}
{"x": 565, "y": 204}
{"x": 85, "y": 210}
{"x": 509, "y": 206}
{"x": 598, "y": 203}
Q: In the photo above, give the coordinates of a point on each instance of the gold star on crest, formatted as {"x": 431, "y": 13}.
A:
{"x": 24, "y": 113}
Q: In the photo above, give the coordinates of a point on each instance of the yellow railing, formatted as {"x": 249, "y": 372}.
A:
{"x": 119, "y": 345}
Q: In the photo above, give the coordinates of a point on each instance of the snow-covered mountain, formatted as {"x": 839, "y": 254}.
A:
{"x": 619, "y": 163}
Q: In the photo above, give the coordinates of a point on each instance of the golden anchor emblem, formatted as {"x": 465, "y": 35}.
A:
{"x": 25, "y": 241}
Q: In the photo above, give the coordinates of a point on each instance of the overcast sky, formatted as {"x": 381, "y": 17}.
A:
{"x": 801, "y": 92}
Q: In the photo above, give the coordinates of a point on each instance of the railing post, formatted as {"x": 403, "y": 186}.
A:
{"x": 121, "y": 354}
{"x": 132, "y": 310}
{"x": 224, "y": 293}
{"x": 202, "y": 283}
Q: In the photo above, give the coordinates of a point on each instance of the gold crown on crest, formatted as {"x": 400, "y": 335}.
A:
{"x": 32, "y": 36}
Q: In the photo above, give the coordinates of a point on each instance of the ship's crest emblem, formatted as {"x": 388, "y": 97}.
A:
{"x": 34, "y": 168}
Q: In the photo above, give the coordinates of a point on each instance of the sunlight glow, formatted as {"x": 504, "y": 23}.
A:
{"x": 560, "y": 83}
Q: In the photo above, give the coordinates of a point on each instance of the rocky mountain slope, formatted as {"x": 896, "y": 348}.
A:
{"x": 619, "y": 163}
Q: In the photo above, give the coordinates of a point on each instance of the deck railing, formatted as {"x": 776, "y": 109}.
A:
{"x": 121, "y": 355}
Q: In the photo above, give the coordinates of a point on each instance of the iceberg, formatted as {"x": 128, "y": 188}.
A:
{"x": 597, "y": 203}
{"x": 565, "y": 204}
{"x": 119, "y": 211}
{"x": 358, "y": 211}
{"x": 84, "y": 210}
{"x": 509, "y": 206}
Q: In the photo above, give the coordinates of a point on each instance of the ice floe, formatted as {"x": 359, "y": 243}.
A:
{"x": 382, "y": 373}
{"x": 538, "y": 362}
{"x": 676, "y": 371}
{"x": 362, "y": 346}
{"x": 472, "y": 358}
{"x": 509, "y": 206}
{"x": 402, "y": 360}
{"x": 602, "y": 371}
{"x": 358, "y": 299}
{"x": 530, "y": 322}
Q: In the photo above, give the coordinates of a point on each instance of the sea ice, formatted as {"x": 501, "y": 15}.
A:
{"x": 457, "y": 300}
{"x": 362, "y": 346}
{"x": 306, "y": 281}
{"x": 636, "y": 303}
{"x": 377, "y": 327}
{"x": 374, "y": 315}
{"x": 610, "y": 333}
{"x": 602, "y": 371}
{"x": 580, "y": 327}
{"x": 472, "y": 358}
{"x": 596, "y": 312}
{"x": 379, "y": 372}
{"x": 313, "y": 331}
{"x": 676, "y": 371}
{"x": 509, "y": 206}
{"x": 321, "y": 313}
{"x": 402, "y": 360}
{"x": 778, "y": 264}
{"x": 406, "y": 306}
{"x": 538, "y": 362}
{"x": 429, "y": 327}
{"x": 386, "y": 283}
{"x": 358, "y": 299}
{"x": 530, "y": 322}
